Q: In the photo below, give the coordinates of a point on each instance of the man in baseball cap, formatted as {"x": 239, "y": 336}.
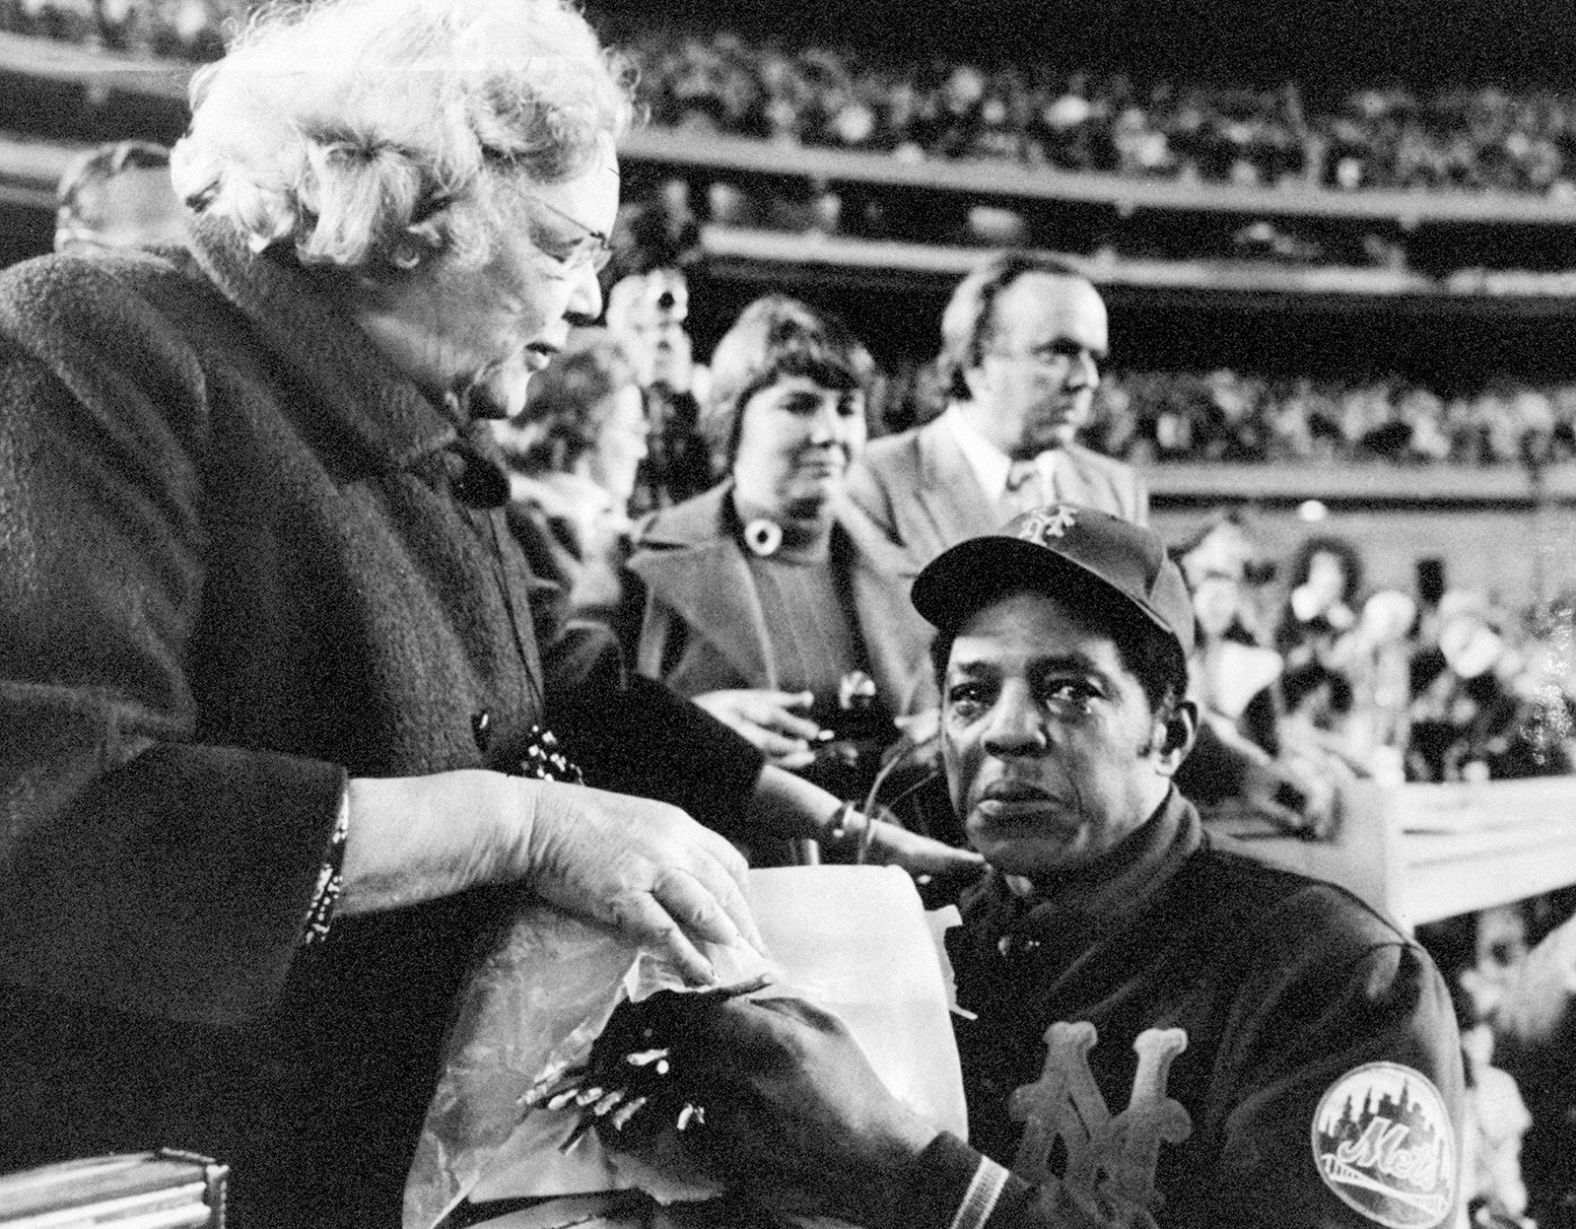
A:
{"x": 1154, "y": 1030}
{"x": 1019, "y": 603}
{"x": 1053, "y": 548}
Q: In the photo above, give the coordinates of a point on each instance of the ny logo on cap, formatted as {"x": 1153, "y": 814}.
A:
{"x": 1048, "y": 523}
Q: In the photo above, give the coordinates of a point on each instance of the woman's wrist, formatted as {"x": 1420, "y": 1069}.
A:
{"x": 846, "y": 826}
{"x": 330, "y": 879}
{"x": 414, "y": 839}
{"x": 786, "y": 805}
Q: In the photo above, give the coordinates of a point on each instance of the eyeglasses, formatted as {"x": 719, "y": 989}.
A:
{"x": 591, "y": 248}
{"x": 1048, "y": 356}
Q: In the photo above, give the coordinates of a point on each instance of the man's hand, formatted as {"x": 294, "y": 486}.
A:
{"x": 1294, "y": 791}
{"x": 768, "y": 720}
{"x": 645, "y": 868}
{"x": 794, "y": 1113}
{"x": 1300, "y": 792}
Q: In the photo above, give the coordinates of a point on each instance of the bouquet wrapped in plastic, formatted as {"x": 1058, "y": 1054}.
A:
{"x": 563, "y": 1027}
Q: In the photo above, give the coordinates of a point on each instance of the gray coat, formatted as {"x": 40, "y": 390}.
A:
{"x": 702, "y": 626}
{"x": 241, "y": 560}
{"x": 921, "y": 491}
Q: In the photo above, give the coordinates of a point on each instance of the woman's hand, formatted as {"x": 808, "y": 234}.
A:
{"x": 643, "y": 867}
{"x": 788, "y": 806}
{"x": 768, "y": 720}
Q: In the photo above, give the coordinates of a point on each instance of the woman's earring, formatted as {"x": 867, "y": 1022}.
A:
{"x": 763, "y": 537}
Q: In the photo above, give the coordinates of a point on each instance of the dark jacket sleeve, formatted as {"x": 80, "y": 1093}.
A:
{"x": 938, "y": 1182}
{"x": 632, "y": 735}
{"x": 139, "y": 868}
{"x": 1327, "y": 1030}
{"x": 949, "y": 1183}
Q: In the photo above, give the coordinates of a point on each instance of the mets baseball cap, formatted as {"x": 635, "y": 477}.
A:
{"x": 1060, "y": 548}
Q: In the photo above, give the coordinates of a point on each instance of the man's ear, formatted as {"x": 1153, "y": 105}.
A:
{"x": 1176, "y": 729}
{"x": 974, "y": 379}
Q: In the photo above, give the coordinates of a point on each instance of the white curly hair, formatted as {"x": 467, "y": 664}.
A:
{"x": 342, "y": 126}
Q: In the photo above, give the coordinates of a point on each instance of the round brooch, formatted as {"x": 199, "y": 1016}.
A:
{"x": 763, "y": 536}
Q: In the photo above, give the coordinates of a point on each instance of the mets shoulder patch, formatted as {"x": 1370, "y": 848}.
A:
{"x": 1383, "y": 1143}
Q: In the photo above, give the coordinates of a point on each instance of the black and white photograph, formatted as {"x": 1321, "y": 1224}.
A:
{"x": 939, "y": 614}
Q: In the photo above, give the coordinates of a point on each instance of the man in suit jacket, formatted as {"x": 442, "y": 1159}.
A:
{"x": 1022, "y": 340}
{"x": 1021, "y": 343}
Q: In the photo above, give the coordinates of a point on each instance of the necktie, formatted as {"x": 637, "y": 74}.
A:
{"x": 1024, "y": 489}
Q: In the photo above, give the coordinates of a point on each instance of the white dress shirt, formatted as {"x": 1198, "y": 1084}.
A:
{"x": 992, "y": 467}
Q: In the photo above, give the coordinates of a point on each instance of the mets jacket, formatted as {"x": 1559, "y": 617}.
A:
{"x": 1183, "y": 1037}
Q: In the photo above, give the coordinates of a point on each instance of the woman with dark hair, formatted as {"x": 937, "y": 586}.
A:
{"x": 1244, "y": 756}
{"x": 1314, "y": 634}
{"x": 770, "y": 600}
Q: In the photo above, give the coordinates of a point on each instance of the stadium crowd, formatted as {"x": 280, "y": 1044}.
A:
{"x": 1152, "y": 417}
{"x": 1419, "y": 686}
{"x": 1225, "y": 415}
{"x": 1458, "y": 139}
{"x": 1473, "y": 139}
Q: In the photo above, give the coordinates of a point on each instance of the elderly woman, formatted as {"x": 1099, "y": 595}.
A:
{"x": 573, "y": 457}
{"x": 272, "y": 693}
{"x": 769, "y": 600}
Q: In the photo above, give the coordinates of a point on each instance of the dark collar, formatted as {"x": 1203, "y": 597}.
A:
{"x": 1106, "y": 895}
{"x": 370, "y": 411}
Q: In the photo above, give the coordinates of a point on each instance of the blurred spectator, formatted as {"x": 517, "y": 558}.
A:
{"x": 1247, "y": 762}
{"x": 1379, "y": 666}
{"x": 174, "y": 29}
{"x": 1546, "y": 682}
{"x": 1529, "y": 1004}
{"x": 1316, "y": 629}
{"x": 572, "y": 459}
{"x": 646, "y": 313}
{"x": 1392, "y": 687}
{"x": 118, "y": 195}
{"x": 1225, "y": 546}
{"x": 1483, "y": 957}
{"x": 1476, "y": 713}
{"x": 1451, "y": 140}
{"x": 1233, "y": 678}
